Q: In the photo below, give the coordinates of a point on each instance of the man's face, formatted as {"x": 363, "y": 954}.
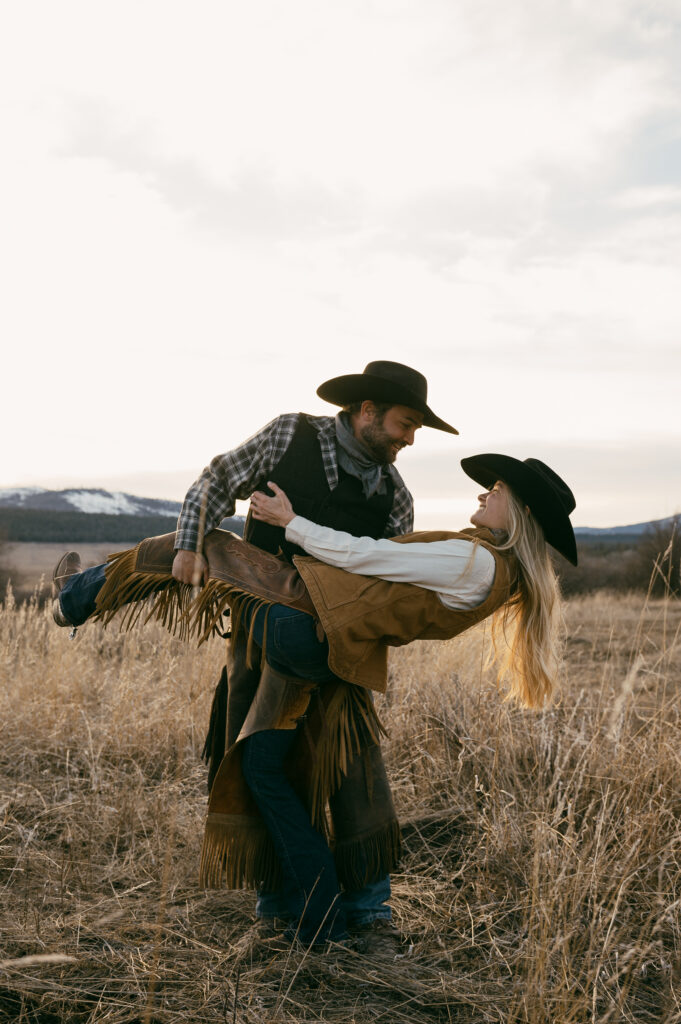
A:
{"x": 385, "y": 436}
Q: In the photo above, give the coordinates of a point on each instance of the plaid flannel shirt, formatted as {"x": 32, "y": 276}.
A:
{"x": 236, "y": 473}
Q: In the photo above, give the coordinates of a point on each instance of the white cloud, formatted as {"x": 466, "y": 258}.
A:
{"x": 398, "y": 98}
{"x": 645, "y": 197}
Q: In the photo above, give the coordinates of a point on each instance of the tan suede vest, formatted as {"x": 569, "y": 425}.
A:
{"x": 362, "y": 614}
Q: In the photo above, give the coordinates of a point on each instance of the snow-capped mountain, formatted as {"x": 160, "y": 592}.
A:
{"x": 91, "y": 499}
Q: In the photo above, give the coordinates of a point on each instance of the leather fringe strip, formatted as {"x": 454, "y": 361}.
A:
{"x": 237, "y": 853}
{"x": 350, "y": 723}
{"x": 150, "y": 596}
{"x": 365, "y": 858}
{"x": 213, "y": 602}
{"x": 124, "y": 587}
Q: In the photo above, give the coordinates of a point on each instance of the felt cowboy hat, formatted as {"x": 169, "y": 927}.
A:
{"x": 549, "y": 498}
{"x": 383, "y": 381}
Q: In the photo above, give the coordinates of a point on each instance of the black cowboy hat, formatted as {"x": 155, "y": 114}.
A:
{"x": 549, "y": 498}
{"x": 383, "y": 381}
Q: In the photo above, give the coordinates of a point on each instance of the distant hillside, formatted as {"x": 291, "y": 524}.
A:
{"x": 634, "y": 530}
{"x": 93, "y": 500}
{"x": 90, "y": 501}
{"x": 36, "y": 513}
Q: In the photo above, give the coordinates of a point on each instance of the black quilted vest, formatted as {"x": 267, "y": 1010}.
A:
{"x": 300, "y": 473}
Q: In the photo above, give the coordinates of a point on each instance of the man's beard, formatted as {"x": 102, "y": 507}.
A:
{"x": 379, "y": 443}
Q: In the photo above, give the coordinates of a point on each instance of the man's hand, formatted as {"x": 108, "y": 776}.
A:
{"x": 277, "y": 511}
{"x": 189, "y": 567}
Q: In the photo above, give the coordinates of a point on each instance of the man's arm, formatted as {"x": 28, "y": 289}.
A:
{"x": 229, "y": 477}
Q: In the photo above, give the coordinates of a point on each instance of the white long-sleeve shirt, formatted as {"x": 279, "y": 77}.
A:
{"x": 460, "y": 572}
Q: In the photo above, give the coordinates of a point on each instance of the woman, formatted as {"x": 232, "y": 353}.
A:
{"x": 526, "y": 508}
{"x": 429, "y": 586}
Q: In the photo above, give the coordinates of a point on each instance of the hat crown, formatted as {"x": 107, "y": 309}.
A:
{"x": 555, "y": 482}
{"x": 398, "y": 373}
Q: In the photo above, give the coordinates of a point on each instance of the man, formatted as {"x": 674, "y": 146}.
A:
{"x": 338, "y": 472}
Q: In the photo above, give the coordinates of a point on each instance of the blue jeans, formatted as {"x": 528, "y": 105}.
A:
{"x": 309, "y": 892}
{"x": 361, "y": 906}
{"x": 293, "y": 648}
{"x": 79, "y": 594}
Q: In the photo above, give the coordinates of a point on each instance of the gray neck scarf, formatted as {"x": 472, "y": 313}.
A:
{"x": 358, "y": 461}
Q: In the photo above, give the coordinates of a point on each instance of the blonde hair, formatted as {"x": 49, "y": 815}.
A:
{"x": 526, "y": 630}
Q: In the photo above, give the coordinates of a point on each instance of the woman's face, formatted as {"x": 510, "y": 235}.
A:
{"x": 493, "y": 509}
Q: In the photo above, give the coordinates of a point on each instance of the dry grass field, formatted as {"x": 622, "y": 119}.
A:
{"x": 541, "y": 881}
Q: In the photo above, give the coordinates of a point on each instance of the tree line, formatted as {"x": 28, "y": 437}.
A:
{"x": 36, "y": 525}
{"x": 647, "y": 561}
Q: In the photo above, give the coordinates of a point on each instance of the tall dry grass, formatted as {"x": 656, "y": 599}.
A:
{"x": 541, "y": 878}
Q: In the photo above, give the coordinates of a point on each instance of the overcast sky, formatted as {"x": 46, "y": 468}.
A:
{"x": 210, "y": 208}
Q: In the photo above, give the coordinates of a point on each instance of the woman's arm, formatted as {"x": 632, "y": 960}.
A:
{"x": 460, "y": 572}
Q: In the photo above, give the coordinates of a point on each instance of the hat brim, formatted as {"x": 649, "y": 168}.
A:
{"x": 360, "y": 387}
{"x": 530, "y": 486}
